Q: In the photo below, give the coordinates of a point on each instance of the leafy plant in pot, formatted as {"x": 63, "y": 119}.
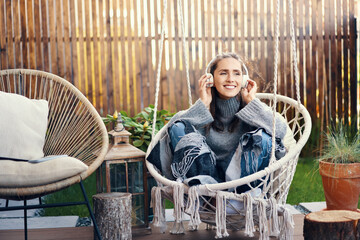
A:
{"x": 339, "y": 167}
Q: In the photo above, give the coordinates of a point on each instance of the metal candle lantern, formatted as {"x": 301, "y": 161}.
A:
{"x": 123, "y": 170}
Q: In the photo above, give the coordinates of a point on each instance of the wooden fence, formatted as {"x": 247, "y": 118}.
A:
{"x": 109, "y": 48}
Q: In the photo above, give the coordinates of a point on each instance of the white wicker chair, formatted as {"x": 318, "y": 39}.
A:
{"x": 275, "y": 181}
{"x": 74, "y": 128}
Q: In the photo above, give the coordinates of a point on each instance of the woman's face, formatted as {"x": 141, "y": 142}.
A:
{"x": 228, "y": 78}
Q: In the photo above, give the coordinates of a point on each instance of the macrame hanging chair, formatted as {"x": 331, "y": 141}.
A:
{"x": 210, "y": 203}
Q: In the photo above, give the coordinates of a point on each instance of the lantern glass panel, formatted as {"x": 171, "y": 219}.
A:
{"x": 103, "y": 176}
{"x": 118, "y": 177}
{"x": 136, "y": 181}
{"x": 138, "y": 217}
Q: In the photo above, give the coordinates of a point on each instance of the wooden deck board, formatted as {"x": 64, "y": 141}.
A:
{"x": 86, "y": 233}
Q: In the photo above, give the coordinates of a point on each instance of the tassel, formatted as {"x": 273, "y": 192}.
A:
{"x": 157, "y": 205}
{"x": 274, "y": 222}
{"x": 178, "y": 197}
{"x": 192, "y": 208}
{"x": 264, "y": 234}
{"x": 221, "y": 216}
{"x": 249, "y": 223}
{"x": 288, "y": 224}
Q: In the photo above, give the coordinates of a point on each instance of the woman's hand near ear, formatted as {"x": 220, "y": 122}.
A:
{"x": 204, "y": 91}
{"x": 248, "y": 93}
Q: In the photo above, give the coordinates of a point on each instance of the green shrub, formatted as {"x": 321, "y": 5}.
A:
{"x": 140, "y": 126}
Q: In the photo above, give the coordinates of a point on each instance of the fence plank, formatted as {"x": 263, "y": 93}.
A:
{"x": 327, "y": 63}
{"x": 131, "y": 99}
{"x": 144, "y": 60}
{"x": 17, "y": 34}
{"x": 236, "y": 26}
{"x": 125, "y": 70}
{"x": 263, "y": 56}
{"x": 38, "y": 47}
{"x": 3, "y": 30}
{"x": 339, "y": 65}
{"x": 281, "y": 87}
{"x": 191, "y": 43}
{"x": 288, "y": 80}
{"x": 45, "y": 35}
{"x": 353, "y": 63}
{"x": 95, "y": 63}
{"x": 103, "y": 66}
{"x": 81, "y": 56}
{"x": 301, "y": 48}
{"x": 31, "y": 35}
{"x": 269, "y": 44}
{"x": 179, "y": 90}
{"x": 118, "y": 80}
{"x": 74, "y": 45}
{"x": 24, "y": 51}
{"x": 345, "y": 59}
{"x": 333, "y": 61}
{"x": 67, "y": 44}
{"x": 255, "y": 28}
{"x": 137, "y": 56}
{"x": 248, "y": 29}
{"x": 52, "y": 30}
{"x": 108, "y": 61}
{"x": 59, "y": 43}
{"x": 87, "y": 53}
{"x": 320, "y": 60}
{"x": 198, "y": 33}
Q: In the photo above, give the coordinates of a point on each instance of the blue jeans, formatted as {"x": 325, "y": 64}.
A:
{"x": 176, "y": 131}
{"x": 249, "y": 164}
{"x": 253, "y": 145}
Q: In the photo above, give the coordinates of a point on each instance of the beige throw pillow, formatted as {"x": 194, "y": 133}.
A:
{"x": 23, "y": 124}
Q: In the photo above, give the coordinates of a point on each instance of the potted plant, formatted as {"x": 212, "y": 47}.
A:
{"x": 339, "y": 168}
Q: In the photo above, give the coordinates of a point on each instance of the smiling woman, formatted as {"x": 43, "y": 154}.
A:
{"x": 226, "y": 134}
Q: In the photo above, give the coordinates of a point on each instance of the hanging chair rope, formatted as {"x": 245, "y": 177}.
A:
{"x": 276, "y": 60}
{"x": 158, "y": 72}
{"x": 294, "y": 53}
{"x": 184, "y": 51}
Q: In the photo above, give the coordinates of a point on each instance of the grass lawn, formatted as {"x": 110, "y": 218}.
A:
{"x": 72, "y": 194}
{"x": 306, "y": 187}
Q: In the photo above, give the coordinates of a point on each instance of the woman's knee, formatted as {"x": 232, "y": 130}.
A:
{"x": 176, "y": 131}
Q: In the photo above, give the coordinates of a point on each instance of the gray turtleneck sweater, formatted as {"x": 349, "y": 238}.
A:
{"x": 254, "y": 115}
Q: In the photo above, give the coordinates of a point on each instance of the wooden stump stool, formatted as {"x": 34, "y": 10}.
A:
{"x": 332, "y": 224}
{"x": 113, "y": 215}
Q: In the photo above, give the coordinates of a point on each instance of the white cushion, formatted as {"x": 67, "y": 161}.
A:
{"x": 23, "y": 125}
{"x": 25, "y": 174}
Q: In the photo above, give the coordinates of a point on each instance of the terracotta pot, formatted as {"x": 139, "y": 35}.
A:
{"x": 341, "y": 184}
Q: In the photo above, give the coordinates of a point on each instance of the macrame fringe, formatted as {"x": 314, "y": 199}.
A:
{"x": 157, "y": 205}
{"x": 178, "y": 197}
{"x": 288, "y": 226}
{"x": 221, "y": 216}
{"x": 249, "y": 220}
{"x": 192, "y": 208}
{"x": 264, "y": 233}
{"x": 274, "y": 222}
